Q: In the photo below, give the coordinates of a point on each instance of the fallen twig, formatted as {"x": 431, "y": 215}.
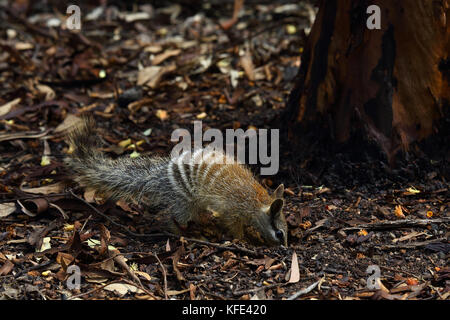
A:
{"x": 23, "y": 135}
{"x": 242, "y": 292}
{"x": 164, "y": 276}
{"x": 411, "y": 245}
{"x": 142, "y": 288}
{"x": 38, "y": 266}
{"x": 383, "y": 225}
{"x": 304, "y": 291}
{"x": 93, "y": 290}
{"x": 233, "y": 247}
{"x": 37, "y": 196}
{"x": 119, "y": 259}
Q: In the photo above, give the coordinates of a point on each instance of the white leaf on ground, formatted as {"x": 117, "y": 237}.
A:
{"x": 45, "y": 244}
{"x": 51, "y": 188}
{"x": 47, "y": 91}
{"x": 135, "y": 16}
{"x": 68, "y": 123}
{"x": 6, "y": 209}
{"x": 122, "y": 288}
{"x": 6, "y": 108}
{"x": 151, "y": 76}
{"x": 295, "y": 272}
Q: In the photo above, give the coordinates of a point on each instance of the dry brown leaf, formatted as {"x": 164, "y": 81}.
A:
{"x": 6, "y": 268}
{"x": 175, "y": 259}
{"x": 6, "y": 108}
{"x": 6, "y": 209}
{"x": 165, "y": 55}
{"x": 153, "y": 48}
{"x": 177, "y": 292}
{"x": 192, "y": 289}
{"x": 47, "y": 91}
{"x": 306, "y": 225}
{"x": 124, "y": 206}
{"x": 412, "y": 282}
{"x": 362, "y": 232}
{"x": 64, "y": 259}
{"x": 247, "y": 64}
{"x": 150, "y": 76}
{"x": 33, "y": 207}
{"x": 143, "y": 274}
{"x": 48, "y": 189}
{"x": 70, "y": 121}
{"x": 89, "y": 195}
{"x": 122, "y": 288}
{"x": 399, "y": 212}
{"x": 161, "y": 114}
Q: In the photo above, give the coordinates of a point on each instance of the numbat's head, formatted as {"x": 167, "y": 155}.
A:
{"x": 268, "y": 226}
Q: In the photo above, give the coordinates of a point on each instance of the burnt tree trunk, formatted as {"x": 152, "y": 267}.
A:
{"x": 392, "y": 82}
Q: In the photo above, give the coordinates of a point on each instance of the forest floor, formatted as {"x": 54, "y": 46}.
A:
{"x": 142, "y": 71}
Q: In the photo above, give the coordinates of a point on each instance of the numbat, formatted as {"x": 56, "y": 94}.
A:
{"x": 206, "y": 191}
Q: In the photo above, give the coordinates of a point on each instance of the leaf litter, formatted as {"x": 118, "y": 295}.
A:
{"x": 144, "y": 70}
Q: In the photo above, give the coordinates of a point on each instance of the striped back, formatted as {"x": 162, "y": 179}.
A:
{"x": 211, "y": 172}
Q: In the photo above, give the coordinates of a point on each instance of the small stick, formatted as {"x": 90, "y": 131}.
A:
{"x": 141, "y": 287}
{"x": 119, "y": 259}
{"x": 304, "y": 291}
{"x": 85, "y": 223}
{"x": 164, "y": 276}
{"x": 411, "y": 245}
{"x": 241, "y": 292}
{"x": 397, "y": 224}
{"x": 93, "y": 290}
{"x": 38, "y": 266}
{"x": 233, "y": 247}
{"x": 400, "y": 271}
{"x": 36, "y": 196}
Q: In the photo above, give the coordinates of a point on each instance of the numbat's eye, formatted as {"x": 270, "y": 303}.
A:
{"x": 279, "y": 235}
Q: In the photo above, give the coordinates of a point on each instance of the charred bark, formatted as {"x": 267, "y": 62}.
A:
{"x": 391, "y": 83}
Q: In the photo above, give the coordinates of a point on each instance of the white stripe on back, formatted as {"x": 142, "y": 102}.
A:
{"x": 195, "y": 166}
{"x": 183, "y": 174}
{"x": 174, "y": 182}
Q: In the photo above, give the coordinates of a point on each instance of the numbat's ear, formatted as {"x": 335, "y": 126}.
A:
{"x": 278, "y": 193}
{"x": 275, "y": 208}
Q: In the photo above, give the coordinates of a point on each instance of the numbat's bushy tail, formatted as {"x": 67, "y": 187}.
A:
{"x": 205, "y": 188}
